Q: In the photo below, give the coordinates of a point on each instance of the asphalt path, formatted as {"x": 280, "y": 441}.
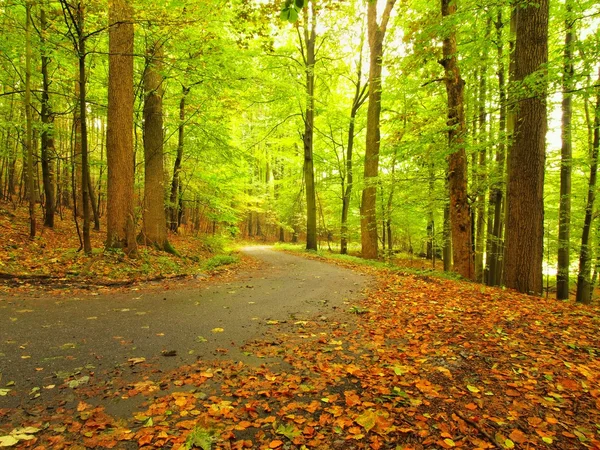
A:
{"x": 49, "y": 341}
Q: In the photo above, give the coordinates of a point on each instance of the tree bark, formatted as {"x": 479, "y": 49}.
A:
{"x": 460, "y": 219}
{"x": 29, "y": 123}
{"x": 495, "y": 247}
{"x": 584, "y": 287}
{"x": 47, "y": 135}
{"x": 174, "y": 195}
{"x": 360, "y": 95}
{"x": 85, "y": 175}
{"x": 119, "y": 142}
{"x": 310, "y": 35}
{"x": 368, "y": 208}
{"x": 525, "y": 209}
{"x": 154, "y": 231}
{"x": 566, "y": 155}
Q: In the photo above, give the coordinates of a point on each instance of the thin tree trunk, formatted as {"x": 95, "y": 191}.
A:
{"x": 309, "y": 172}
{"x": 29, "y": 120}
{"x": 566, "y": 154}
{"x": 584, "y": 291}
{"x": 495, "y": 247}
{"x": 360, "y": 95}
{"x": 85, "y": 175}
{"x": 376, "y": 34}
{"x": 47, "y": 137}
{"x": 447, "y": 250}
{"x": 482, "y": 171}
{"x": 460, "y": 219}
{"x": 174, "y": 196}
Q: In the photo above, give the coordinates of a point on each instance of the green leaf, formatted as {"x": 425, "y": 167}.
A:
{"x": 289, "y": 431}
{"x": 293, "y": 17}
{"x": 299, "y": 4}
{"x": 366, "y": 420}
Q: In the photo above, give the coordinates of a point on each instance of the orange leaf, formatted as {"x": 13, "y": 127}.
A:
{"x": 276, "y": 443}
{"x": 471, "y": 406}
{"x": 518, "y": 436}
{"x": 146, "y": 439}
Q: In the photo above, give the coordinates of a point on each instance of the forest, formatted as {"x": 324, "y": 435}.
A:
{"x": 452, "y": 131}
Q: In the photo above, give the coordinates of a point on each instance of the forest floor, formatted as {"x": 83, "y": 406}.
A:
{"x": 53, "y": 259}
{"x": 414, "y": 362}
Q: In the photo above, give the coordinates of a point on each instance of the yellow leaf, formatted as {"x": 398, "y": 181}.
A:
{"x": 366, "y": 420}
{"x": 472, "y": 388}
{"x": 217, "y": 330}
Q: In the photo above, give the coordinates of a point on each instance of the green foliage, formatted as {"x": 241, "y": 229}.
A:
{"x": 220, "y": 260}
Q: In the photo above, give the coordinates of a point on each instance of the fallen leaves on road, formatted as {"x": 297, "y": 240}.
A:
{"x": 430, "y": 363}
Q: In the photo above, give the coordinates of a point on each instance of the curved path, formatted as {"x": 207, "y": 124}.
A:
{"x": 44, "y": 341}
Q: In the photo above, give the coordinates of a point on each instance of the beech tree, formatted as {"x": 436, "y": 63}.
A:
{"x": 460, "y": 218}
{"x": 525, "y": 209}
{"x": 154, "y": 229}
{"x": 368, "y": 208}
{"x": 119, "y": 141}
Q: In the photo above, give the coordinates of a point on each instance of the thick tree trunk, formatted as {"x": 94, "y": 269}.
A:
{"x": 525, "y": 209}
{"x": 47, "y": 136}
{"x": 460, "y": 219}
{"x": 29, "y": 123}
{"x": 368, "y": 207}
{"x": 154, "y": 231}
{"x": 584, "y": 287}
{"x": 566, "y": 154}
{"x": 119, "y": 142}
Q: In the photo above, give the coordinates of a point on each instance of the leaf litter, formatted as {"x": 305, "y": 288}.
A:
{"x": 431, "y": 363}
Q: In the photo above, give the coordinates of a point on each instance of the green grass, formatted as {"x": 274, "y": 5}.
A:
{"x": 218, "y": 261}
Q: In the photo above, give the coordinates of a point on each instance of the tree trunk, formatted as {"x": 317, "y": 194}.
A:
{"x": 482, "y": 172}
{"x": 154, "y": 231}
{"x": 29, "y": 120}
{"x": 447, "y": 250}
{"x": 119, "y": 142}
{"x": 566, "y": 154}
{"x": 525, "y": 209}
{"x": 47, "y": 137}
{"x": 460, "y": 219}
{"x": 495, "y": 247}
{"x": 360, "y": 95}
{"x": 174, "y": 196}
{"x": 85, "y": 175}
{"x": 584, "y": 288}
{"x": 368, "y": 220}
{"x": 309, "y": 172}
